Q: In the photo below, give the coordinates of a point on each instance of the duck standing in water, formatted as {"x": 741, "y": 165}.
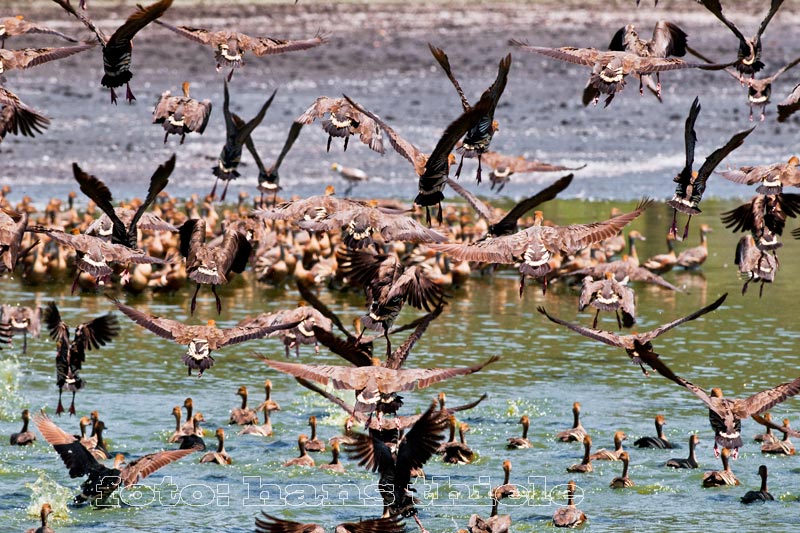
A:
{"x": 718, "y": 478}
{"x": 314, "y": 444}
{"x": 71, "y": 354}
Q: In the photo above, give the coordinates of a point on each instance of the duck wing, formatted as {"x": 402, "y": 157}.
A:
{"x": 508, "y": 223}
{"x": 147, "y": 464}
{"x": 444, "y": 62}
{"x": 657, "y": 332}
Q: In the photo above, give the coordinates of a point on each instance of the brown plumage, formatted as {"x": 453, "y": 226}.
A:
{"x": 30, "y": 57}
{"x": 457, "y": 452}
{"x": 207, "y": 265}
{"x": 263, "y": 430}
{"x": 569, "y": 516}
{"x": 585, "y": 465}
{"x": 307, "y": 317}
{"x": 314, "y": 443}
{"x": 789, "y": 105}
{"x": 118, "y": 48}
{"x": 303, "y": 459}
{"x": 12, "y": 230}
{"x": 44, "y": 513}
{"x": 718, "y": 478}
{"x": 780, "y": 447}
{"x": 689, "y": 462}
{"x": 344, "y": 121}
{"x": 533, "y": 247}
{"x": 609, "y": 68}
{"x": 16, "y": 26}
{"x": 17, "y": 118}
{"x": 694, "y": 257}
{"x": 24, "y": 437}
{"x": 434, "y": 168}
{"x": 576, "y": 432}
{"x": 625, "y": 268}
{"x": 623, "y": 481}
{"x": 230, "y": 47}
{"x": 516, "y": 443}
{"x": 271, "y": 524}
{"x": 180, "y": 115}
{"x": 243, "y": 415}
{"x": 335, "y": 465}
{"x": 21, "y": 319}
{"x": 201, "y": 340}
{"x": 767, "y": 436}
{"x": 611, "y": 455}
{"x": 608, "y": 294}
{"x": 754, "y": 264}
{"x": 220, "y": 456}
{"x": 771, "y": 178}
{"x": 764, "y": 217}
{"x": 661, "y": 263}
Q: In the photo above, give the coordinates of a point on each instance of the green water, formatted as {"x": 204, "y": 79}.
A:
{"x": 745, "y": 346}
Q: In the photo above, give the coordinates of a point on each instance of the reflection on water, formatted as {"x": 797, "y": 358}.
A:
{"x": 745, "y": 346}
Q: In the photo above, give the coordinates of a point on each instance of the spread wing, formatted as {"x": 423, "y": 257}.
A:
{"x": 508, "y": 223}
{"x": 243, "y": 132}
{"x": 16, "y": 117}
{"x": 158, "y": 181}
{"x": 198, "y": 35}
{"x": 96, "y": 333}
{"x": 716, "y": 8}
{"x": 718, "y": 155}
{"x": 241, "y": 334}
{"x": 400, "y": 354}
{"x": 31, "y": 57}
{"x": 355, "y": 354}
{"x": 605, "y": 337}
{"x": 417, "y": 289}
{"x": 764, "y": 400}
{"x": 668, "y": 40}
{"x": 262, "y": 46}
{"x": 101, "y": 37}
{"x": 76, "y": 457}
{"x": 163, "y": 327}
{"x": 146, "y": 465}
{"x": 788, "y": 106}
{"x": 411, "y": 379}
{"x": 317, "y": 304}
{"x": 348, "y": 378}
{"x": 579, "y": 56}
{"x": 98, "y": 192}
{"x": 657, "y": 332}
{"x": 59, "y": 331}
{"x": 141, "y": 18}
{"x": 773, "y": 8}
{"x": 294, "y": 132}
{"x": 482, "y": 208}
{"x": 690, "y": 140}
{"x": 444, "y": 62}
{"x": 504, "y": 250}
{"x": 272, "y": 524}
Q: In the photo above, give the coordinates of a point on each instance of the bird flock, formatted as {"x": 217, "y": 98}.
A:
{"x": 387, "y": 250}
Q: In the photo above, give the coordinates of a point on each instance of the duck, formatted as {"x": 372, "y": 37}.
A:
{"x": 459, "y": 452}
{"x": 44, "y": 513}
{"x": 102, "y": 481}
{"x": 611, "y": 455}
{"x": 95, "y": 444}
{"x": 516, "y": 443}
{"x": 268, "y": 403}
{"x": 569, "y": 515}
{"x": 780, "y": 447}
{"x": 178, "y": 433}
{"x": 478, "y": 138}
{"x": 13, "y": 224}
{"x": 764, "y": 217}
{"x": 576, "y": 433}
{"x": 314, "y": 444}
{"x": 689, "y": 462}
{"x": 504, "y": 166}
{"x": 118, "y": 48}
{"x": 754, "y": 264}
{"x": 24, "y": 437}
{"x": 268, "y": 178}
{"x": 220, "y": 456}
{"x": 271, "y": 524}
{"x": 494, "y": 524}
{"x": 623, "y": 481}
{"x": 659, "y": 441}
{"x": 351, "y": 175}
{"x": 263, "y": 430}
{"x": 661, "y": 263}
{"x": 188, "y": 427}
{"x": 692, "y": 185}
{"x": 22, "y": 319}
{"x": 334, "y": 465}
{"x": 344, "y": 121}
{"x": 180, "y": 115}
{"x": 767, "y": 436}
{"x": 608, "y": 294}
{"x": 506, "y": 489}
{"x": 433, "y": 168}
{"x": 717, "y": 478}
{"x": 16, "y": 26}
{"x": 194, "y": 438}
{"x": 761, "y": 495}
{"x": 243, "y": 415}
{"x": 585, "y": 466}
{"x": 534, "y": 247}
{"x": 624, "y": 269}
{"x": 693, "y": 258}
{"x": 303, "y": 459}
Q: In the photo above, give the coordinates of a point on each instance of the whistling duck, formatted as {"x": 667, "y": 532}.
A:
{"x": 771, "y": 178}
{"x": 789, "y": 105}
{"x": 576, "y": 432}
{"x": 243, "y": 416}
{"x": 611, "y": 455}
{"x": 178, "y": 433}
{"x": 303, "y": 459}
{"x": 314, "y": 444}
{"x": 761, "y": 495}
{"x": 506, "y": 490}
{"x": 188, "y": 426}
{"x": 22, "y": 320}
{"x": 780, "y": 447}
{"x": 717, "y": 478}
{"x": 754, "y": 264}
{"x": 504, "y": 166}
{"x": 749, "y": 51}
{"x": 334, "y": 465}
{"x": 520, "y": 442}
{"x": 585, "y": 465}
{"x": 220, "y": 456}
{"x": 659, "y": 441}
{"x": 12, "y": 224}
{"x": 767, "y": 436}
{"x": 24, "y": 437}
{"x": 117, "y": 49}
{"x": 352, "y": 176}
{"x": 263, "y": 430}
{"x": 689, "y": 462}
{"x": 70, "y": 354}
{"x": 535, "y": 246}
{"x": 271, "y": 524}
{"x": 434, "y": 168}
{"x": 15, "y": 26}
{"x": 661, "y": 263}
{"x": 344, "y": 121}
{"x": 44, "y": 512}
{"x": 692, "y": 258}
{"x": 623, "y": 481}
{"x": 459, "y": 452}
{"x": 668, "y": 40}
{"x": 268, "y": 403}
{"x": 180, "y": 115}
{"x": 102, "y": 481}
{"x": 569, "y": 516}
{"x": 609, "y": 68}
{"x": 194, "y": 439}
{"x": 608, "y": 294}
{"x": 691, "y": 185}
{"x": 638, "y": 346}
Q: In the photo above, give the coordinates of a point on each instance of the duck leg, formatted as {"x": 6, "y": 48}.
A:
{"x": 24, "y": 342}
{"x": 619, "y": 321}
{"x": 421, "y": 527}
{"x": 460, "y": 164}
{"x": 194, "y": 299}
{"x": 744, "y": 287}
{"x": 673, "y": 229}
{"x": 440, "y": 215}
{"x": 346, "y": 138}
{"x": 60, "y": 408}
{"x": 594, "y": 322}
{"x": 225, "y": 191}
{"x": 478, "y": 175}
{"x": 686, "y": 228}
{"x": 230, "y": 75}
{"x": 761, "y": 289}
{"x": 113, "y": 96}
{"x": 72, "y": 405}
{"x": 129, "y": 94}
{"x": 75, "y": 282}
{"x": 328, "y": 147}
{"x": 388, "y": 341}
{"x": 216, "y": 298}
{"x": 214, "y": 189}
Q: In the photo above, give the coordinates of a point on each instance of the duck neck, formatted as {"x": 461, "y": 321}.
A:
{"x": 507, "y": 476}
{"x": 25, "y": 426}
{"x": 462, "y": 436}
{"x": 220, "y": 444}
{"x": 617, "y": 444}
{"x": 188, "y": 412}
{"x": 99, "y": 434}
{"x": 785, "y": 435}
{"x": 625, "y": 468}
{"x": 570, "y": 497}
{"x": 660, "y": 431}
{"x": 313, "y": 430}
{"x": 632, "y": 248}
{"x": 177, "y": 422}
{"x": 587, "y": 449}
{"x": 691, "y": 451}
{"x": 725, "y": 464}
{"x": 495, "y": 503}
{"x": 703, "y": 239}
{"x": 764, "y": 481}
{"x": 268, "y": 391}
{"x": 525, "y": 431}
{"x": 302, "y": 446}
{"x": 452, "y": 432}
{"x": 576, "y": 418}
{"x": 266, "y": 416}
{"x": 244, "y": 401}
{"x": 335, "y": 452}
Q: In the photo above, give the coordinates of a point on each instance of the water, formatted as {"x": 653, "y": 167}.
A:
{"x": 745, "y": 346}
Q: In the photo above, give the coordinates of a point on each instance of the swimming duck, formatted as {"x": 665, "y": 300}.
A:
{"x": 220, "y": 456}
{"x": 334, "y": 465}
{"x": 534, "y": 247}
{"x": 693, "y": 258}
{"x": 767, "y": 436}
{"x": 761, "y": 495}
{"x": 520, "y": 442}
{"x": 585, "y": 465}
{"x": 689, "y": 462}
{"x": 623, "y": 481}
{"x": 433, "y": 168}
{"x": 118, "y": 48}
{"x": 271, "y": 524}
{"x": 692, "y": 185}
{"x": 303, "y": 459}
{"x": 569, "y": 516}
{"x": 477, "y": 140}
{"x": 243, "y": 416}
{"x": 717, "y": 478}
{"x": 72, "y": 353}
{"x": 659, "y": 441}
{"x": 314, "y": 444}
{"x": 268, "y": 403}
{"x": 458, "y": 452}
{"x": 44, "y": 513}
{"x": 612, "y": 455}
{"x": 263, "y": 430}
{"x": 180, "y": 115}
{"x": 193, "y": 437}
{"x": 24, "y": 437}
{"x": 344, "y": 121}
{"x": 576, "y": 433}
{"x": 178, "y": 433}
{"x": 19, "y": 119}
{"x": 780, "y": 447}
{"x": 101, "y": 481}
{"x": 661, "y": 263}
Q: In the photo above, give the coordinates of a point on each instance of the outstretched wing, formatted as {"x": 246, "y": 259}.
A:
{"x": 605, "y": 337}
{"x": 764, "y": 400}
{"x": 158, "y": 181}
{"x": 163, "y": 327}
{"x": 579, "y": 56}
{"x": 262, "y": 46}
{"x": 141, "y": 18}
{"x": 444, "y": 62}
{"x": 59, "y": 331}
{"x": 482, "y": 208}
{"x": 146, "y": 465}
{"x": 98, "y": 192}
{"x": 652, "y": 334}
{"x": 508, "y": 223}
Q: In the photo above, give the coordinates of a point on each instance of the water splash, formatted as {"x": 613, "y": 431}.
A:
{"x": 45, "y": 490}
{"x": 10, "y": 403}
